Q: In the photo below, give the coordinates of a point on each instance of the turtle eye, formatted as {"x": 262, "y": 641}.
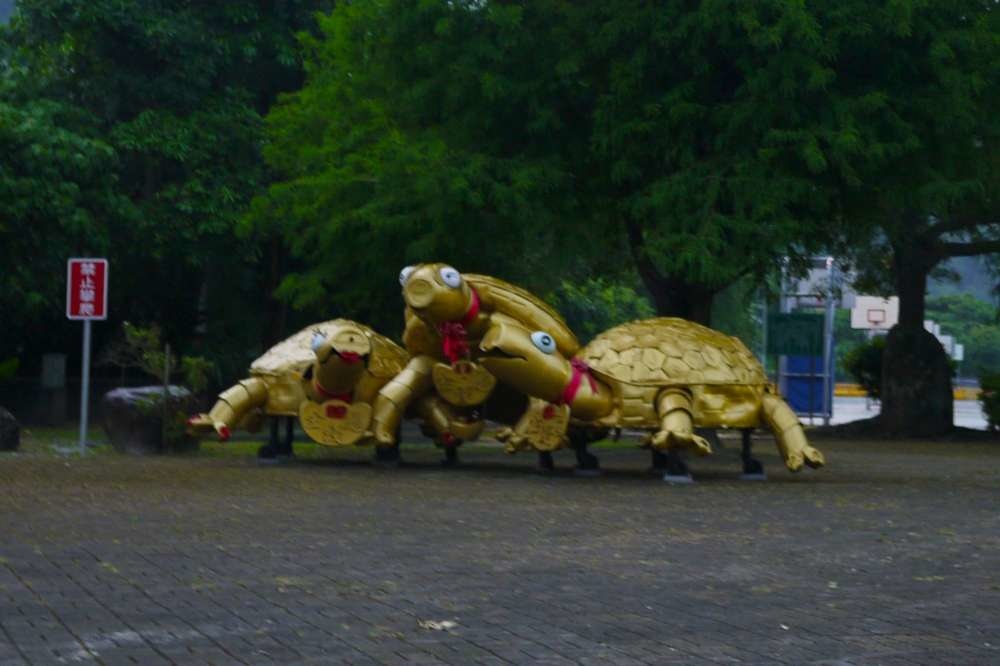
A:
{"x": 317, "y": 340}
{"x": 404, "y": 275}
{"x": 451, "y": 277}
{"x": 544, "y": 342}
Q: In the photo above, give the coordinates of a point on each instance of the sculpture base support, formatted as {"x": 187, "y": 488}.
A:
{"x": 278, "y": 450}
{"x": 587, "y": 464}
{"x": 753, "y": 469}
{"x": 676, "y": 469}
{"x": 546, "y": 463}
{"x": 450, "y": 457}
{"x": 387, "y": 456}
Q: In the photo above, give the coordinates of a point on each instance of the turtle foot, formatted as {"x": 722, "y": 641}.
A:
{"x": 813, "y": 457}
{"x": 669, "y": 439}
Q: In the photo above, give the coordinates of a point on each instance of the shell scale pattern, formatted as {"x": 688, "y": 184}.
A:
{"x": 293, "y": 355}
{"x": 667, "y": 351}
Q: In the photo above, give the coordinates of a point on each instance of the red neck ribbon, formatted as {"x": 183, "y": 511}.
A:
{"x": 347, "y": 397}
{"x": 580, "y": 370}
{"x": 454, "y": 345}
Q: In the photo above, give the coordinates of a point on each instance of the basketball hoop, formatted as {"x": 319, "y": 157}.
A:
{"x": 876, "y": 317}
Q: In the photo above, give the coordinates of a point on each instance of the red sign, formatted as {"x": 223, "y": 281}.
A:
{"x": 87, "y": 289}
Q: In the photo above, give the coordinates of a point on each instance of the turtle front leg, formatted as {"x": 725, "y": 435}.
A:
{"x": 393, "y": 399}
{"x": 675, "y": 411}
{"x": 788, "y": 434}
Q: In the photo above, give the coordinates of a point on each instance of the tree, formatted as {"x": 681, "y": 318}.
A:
{"x": 547, "y": 140}
{"x": 58, "y": 198}
{"x": 175, "y": 90}
{"x": 918, "y": 83}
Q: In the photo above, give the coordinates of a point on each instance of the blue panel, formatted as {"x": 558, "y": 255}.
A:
{"x": 803, "y": 393}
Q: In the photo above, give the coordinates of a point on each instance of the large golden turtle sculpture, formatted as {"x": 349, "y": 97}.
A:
{"x": 447, "y": 314}
{"x": 665, "y": 375}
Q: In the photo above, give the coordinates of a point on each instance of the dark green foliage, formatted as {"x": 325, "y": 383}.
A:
{"x": 141, "y": 122}
{"x": 846, "y": 339}
{"x": 990, "y": 398}
{"x": 974, "y": 324}
{"x": 545, "y": 139}
{"x": 864, "y": 363}
{"x": 595, "y": 305}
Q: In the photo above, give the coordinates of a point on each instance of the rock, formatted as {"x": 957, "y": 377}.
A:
{"x": 10, "y": 431}
{"x": 132, "y": 417}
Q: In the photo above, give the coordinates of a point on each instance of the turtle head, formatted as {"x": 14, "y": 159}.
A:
{"x": 341, "y": 357}
{"x": 526, "y": 360}
{"x": 437, "y": 293}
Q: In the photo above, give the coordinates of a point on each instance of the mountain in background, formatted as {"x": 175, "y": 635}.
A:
{"x": 968, "y": 275}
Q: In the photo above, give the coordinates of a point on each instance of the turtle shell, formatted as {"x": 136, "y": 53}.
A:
{"x": 293, "y": 355}
{"x": 528, "y": 309}
{"x": 668, "y": 351}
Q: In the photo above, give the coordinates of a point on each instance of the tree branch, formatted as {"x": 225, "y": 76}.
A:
{"x": 969, "y": 249}
{"x": 954, "y": 223}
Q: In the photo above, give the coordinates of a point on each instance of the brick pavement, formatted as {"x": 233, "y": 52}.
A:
{"x": 881, "y": 558}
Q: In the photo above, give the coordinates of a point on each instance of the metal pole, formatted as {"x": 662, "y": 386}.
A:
{"x": 166, "y": 396}
{"x": 84, "y": 386}
{"x": 828, "y": 328}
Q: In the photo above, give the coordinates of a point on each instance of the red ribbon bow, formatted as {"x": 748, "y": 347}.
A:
{"x": 580, "y": 370}
{"x": 454, "y": 344}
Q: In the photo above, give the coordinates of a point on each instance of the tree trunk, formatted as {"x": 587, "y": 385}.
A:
{"x": 672, "y": 296}
{"x": 274, "y": 328}
{"x": 916, "y": 373}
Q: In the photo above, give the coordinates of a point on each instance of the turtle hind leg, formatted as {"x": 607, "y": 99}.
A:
{"x": 788, "y": 434}
{"x": 675, "y": 411}
{"x": 232, "y": 405}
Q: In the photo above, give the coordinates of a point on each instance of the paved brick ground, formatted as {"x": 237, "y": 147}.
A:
{"x": 881, "y": 558}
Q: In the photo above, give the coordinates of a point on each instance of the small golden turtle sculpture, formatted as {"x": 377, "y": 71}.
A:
{"x": 447, "y": 314}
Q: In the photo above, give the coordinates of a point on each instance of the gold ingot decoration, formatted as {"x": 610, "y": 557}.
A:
{"x": 335, "y": 422}
{"x": 543, "y": 426}
{"x": 666, "y": 375}
{"x": 463, "y": 383}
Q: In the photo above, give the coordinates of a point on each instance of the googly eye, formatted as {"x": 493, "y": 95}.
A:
{"x": 317, "y": 340}
{"x": 544, "y": 342}
{"x": 451, "y": 277}
{"x": 404, "y": 274}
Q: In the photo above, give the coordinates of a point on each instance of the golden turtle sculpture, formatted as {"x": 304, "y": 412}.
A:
{"x": 666, "y": 375}
{"x": 327, "y": 374}
{"x": 447, "y": 314}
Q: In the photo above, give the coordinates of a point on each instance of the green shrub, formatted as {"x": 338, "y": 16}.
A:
{"x": 864, "y": 363}
{"x": 989, "y": 397}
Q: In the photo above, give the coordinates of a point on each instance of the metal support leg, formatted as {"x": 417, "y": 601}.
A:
{"x": 677, "y": 469}
{"x": 753, "y": 470}
{"x": 545, "y": 462}
{"x": 269, "y": 452}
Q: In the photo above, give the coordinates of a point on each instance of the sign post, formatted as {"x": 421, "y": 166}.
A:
{"x": 86, "y": 300}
